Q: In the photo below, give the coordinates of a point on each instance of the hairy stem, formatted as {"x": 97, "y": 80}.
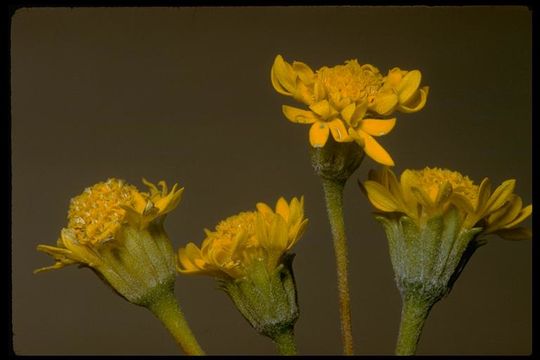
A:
{"x": 166, "y": 309}
{"x": 414, "y": 313}
{"x": 333, "y": 190}
{"x": 285, "y": 342}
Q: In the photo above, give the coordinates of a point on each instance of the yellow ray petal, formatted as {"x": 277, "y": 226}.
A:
{"x": 422, "y": 197}
{"x": 348, "y": 112}
{"x": 303, "y": 93}
{"x": 63, "y": 257}
{"x": 374, "y": 150}
{"x": 140, "y": 202}
{"x": 500, "y": 196}
{"x": 408, "y": 179}
{"x": 278, "y": 234}
{"x": 484, "y": 193}
{"x": 264, "y": 209}
{"x": 298, "y": 115}
{"x": 464, "y": 204}
{"x": 153, "y": 188}
{"x": 356, "y": 137}
{"x": 318, "y": 134}
{"x": 353, "y": 113}
{"x": 319, "y": 91}
{"x": 444, "y": 193}
{"x": 339, "y": 132}
{"x": 283, "y": 76}
{"x": 380, "y": 197}
{"x": 304, "y": 72}
{"x": 506, "y": 213}
{"x": 394, "y": 77}
{"x": 416, "y": 103}
{"x": 187, "y": 260}
{"x": 282, "y": 208}
{"x": 525, "y": 213}
{"x": 377, "y": 127}
{"x": 384, "y": 103}
{"x": 297, "y": 233}
{"x": 322, "y": 108}
{"x": 408, "y": 85}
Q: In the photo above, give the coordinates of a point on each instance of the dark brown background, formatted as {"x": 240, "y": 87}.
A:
{"x": 183, "y": 94}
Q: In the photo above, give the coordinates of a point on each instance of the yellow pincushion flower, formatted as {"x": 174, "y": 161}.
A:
{"x": 248, "y": 254}
{"x": 243, "y": 239}
{"x": 434, "y": 220}
{"x": 351, "y": 101}
{"x": 117, "y": 230}
{"x": 422, "y": 194}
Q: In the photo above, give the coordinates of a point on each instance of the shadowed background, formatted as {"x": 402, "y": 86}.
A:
{"x": 184, "y": 95}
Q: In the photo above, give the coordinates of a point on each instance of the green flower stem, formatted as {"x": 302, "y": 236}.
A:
{"x": 166, "y": 308}
{"x": 333, "y": 190}
{"x": 413, "y": 316}
{"x": 285, "y": 342}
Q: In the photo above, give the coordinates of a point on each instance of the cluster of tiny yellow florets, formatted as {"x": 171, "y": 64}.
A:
{"x": 227, "y": 231}
{"x": 97, "y": 213}
{"x": 352, "y": 80}
{"x": 431, "y": 180}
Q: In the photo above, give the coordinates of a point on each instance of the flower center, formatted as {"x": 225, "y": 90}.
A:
{"x": 352, "y": 80}
{"x": 228, "y": 229}
{"x": 226, "y": 249}
{"x": 431, "y": 179}
{"x": 96, "y": 214}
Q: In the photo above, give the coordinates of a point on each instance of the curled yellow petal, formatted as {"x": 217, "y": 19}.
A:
{"x": 408, "y": 86}
{"x": 283, "y": 76}
{"x": 304, "y": 72}
{"x": 416, "y": 103}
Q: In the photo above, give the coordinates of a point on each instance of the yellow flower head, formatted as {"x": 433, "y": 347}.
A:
{"x": 240, "y": 240}
{"x": 98, "y": 213}
{"x": 423, "y": 194}
{"x": 118, "y": 231}
{"x": 350, "y": 101}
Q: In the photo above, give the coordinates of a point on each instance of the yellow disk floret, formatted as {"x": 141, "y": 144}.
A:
{"x": 352, "y": 80}
{"x": 97, "y": 213}
{"x": 432, "y": 180}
